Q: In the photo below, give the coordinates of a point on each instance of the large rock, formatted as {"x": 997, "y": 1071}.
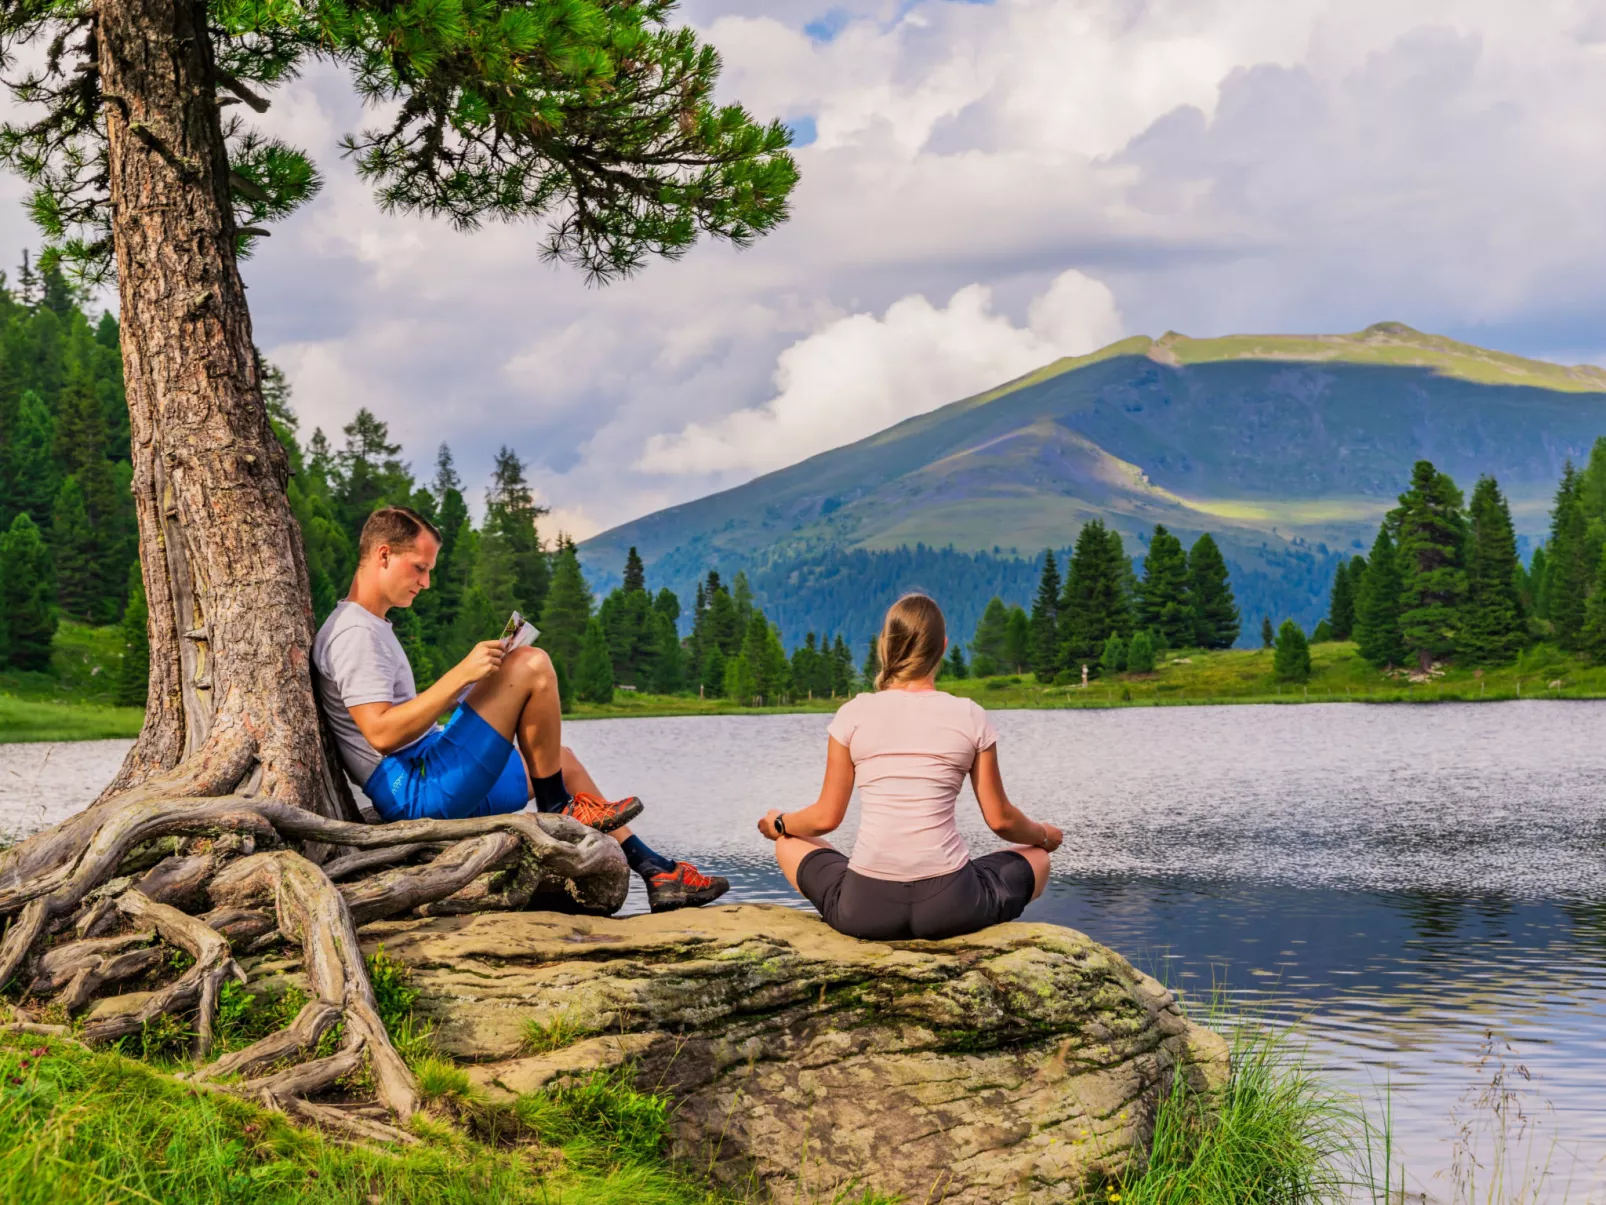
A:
{"x": 1018, "y": 1064}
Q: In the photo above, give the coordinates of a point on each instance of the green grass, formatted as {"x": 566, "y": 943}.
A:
{"x": 75, "y": 700}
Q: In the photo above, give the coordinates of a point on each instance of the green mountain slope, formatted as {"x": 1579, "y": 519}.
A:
{"x": 1281, "y": 445}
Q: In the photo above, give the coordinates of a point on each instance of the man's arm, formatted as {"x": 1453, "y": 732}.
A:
{"x": 392, "y": 726}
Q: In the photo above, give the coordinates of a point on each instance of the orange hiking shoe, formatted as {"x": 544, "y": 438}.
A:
{"x": 684, "y": 887}
{"x": 600, "y": 814}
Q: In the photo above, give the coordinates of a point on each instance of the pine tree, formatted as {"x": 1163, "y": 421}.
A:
{"x": 739, "y": 685}
{"x": 133, "y": 675}
{"x": 79, "y": 588}
{"x": 1323, "y": 633}
{"x": 990, "y": 645}
{"x": 1534, "y": 598}
{"x": 806, "y": 667}
{"x": 1431, "y": 553}
{"x": 1268, "y": 637}
{"x": 1377, "y": 610}
{"x": 1094, "y": 601}
{"x": 1210, "y": 597}
{"x": 1162, "y": 596}
{"x": 1341, "y": 604}
{"x": 566, "y": 613}
{"x": 1018, "y": 641}
{"x": 1140, "y": 654}
{"x": 669, "y": 666}
{"x": 635, "y": 572}
{"x": 953, "y": 666}
{"x": 446, "y": 478}
{"x": 1494, "y": 627}
{"x": 511, "y": 512}
{"x": 32, "y": 477}
{"x": 1292, "y": 660}
{"x": 841, "y": 667}
{"x": 27, "y": 595}
{"x": 1568, "y": 570}
{"x": 1112, "y": 660}
{"x": 872, "y": 663}
{"x": 366, "y": 473}
{"x": 741, "y": 595}
{"x": 593, "y": 674}
{"x": 1045, "y": 635}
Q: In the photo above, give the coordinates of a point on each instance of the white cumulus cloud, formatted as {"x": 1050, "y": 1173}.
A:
{"x": 861, "y": 373}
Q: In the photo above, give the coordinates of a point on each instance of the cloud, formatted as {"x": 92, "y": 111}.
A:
{"x": 862, "y": 373}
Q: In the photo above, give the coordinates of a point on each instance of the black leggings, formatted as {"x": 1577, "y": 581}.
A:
{"x": 985, "y": 891}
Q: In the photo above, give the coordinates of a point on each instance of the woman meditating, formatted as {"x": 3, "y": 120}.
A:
{"x": 909, "y": 746}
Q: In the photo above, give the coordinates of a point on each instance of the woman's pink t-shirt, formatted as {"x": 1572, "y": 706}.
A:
{"x": 911, "y": 752}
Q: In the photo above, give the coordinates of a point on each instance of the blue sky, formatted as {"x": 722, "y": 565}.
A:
{"x": 986, "y": 187}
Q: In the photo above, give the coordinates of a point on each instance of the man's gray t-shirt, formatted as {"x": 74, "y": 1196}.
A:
{"x": 359, "y": 661}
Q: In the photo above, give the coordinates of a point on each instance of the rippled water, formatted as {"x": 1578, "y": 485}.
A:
{"x": 1403, "y": 881}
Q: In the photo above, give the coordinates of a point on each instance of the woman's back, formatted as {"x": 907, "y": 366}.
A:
{"x": 911, "y": 751}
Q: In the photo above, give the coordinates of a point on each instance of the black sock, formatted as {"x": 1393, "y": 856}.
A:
{"x": 550, "y": 793}
{"x": 642, "y": 859}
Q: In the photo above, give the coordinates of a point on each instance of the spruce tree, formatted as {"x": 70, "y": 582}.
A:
{"x": 1292, "y": 660}
{"x": 1430, "y": 550}
{"x": 872, "y": 663}
{"x": 133, "y": 675}
{"x": 741, "y": 595}
{"x": 635, "y": 572}
{"x": 1094, "y": 601}
{"x": 1569, "y": 570}
{"x": 841, "y": 667}
{"x": 1494, "y": 627}
{"x": 740, "y": 686}
{"x": 669, "y": 666}
{"x": 1323, "y": 633}
{"x": 1112, "y": 660}
{"x": 1268, "y": 636}
{"x": 593, "y": 674}
{"x": 27, "y": 595}
{"x": 511, "y": 512}
{"x": 1210, "y": 597}
{"x": 79, "y": 588}
{"x": 1162, "y": 596}
{"x": 953, "y": 665}
{"x": 1535, "y": 580}
{"x": 806, "y": 665}
{"x": 1018, "y": 641}
{"x": 1341, "y": 604}
{"x": 1140, "y": 654}
{"x": 1045, "y": 636}
{"x": 990, "y": 644}
{"x": 566, "y": 613}
{"x": 31, "y": 476}
{"x": 1377, "y": 610}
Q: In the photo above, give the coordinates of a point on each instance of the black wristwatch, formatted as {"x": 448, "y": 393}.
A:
{"x": 780, "y": 825}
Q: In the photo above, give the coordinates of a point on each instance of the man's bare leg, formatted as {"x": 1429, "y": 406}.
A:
{"x": 520, "y": 701}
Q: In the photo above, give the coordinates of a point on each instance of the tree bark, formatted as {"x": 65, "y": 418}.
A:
{"x": 225, "y": 575}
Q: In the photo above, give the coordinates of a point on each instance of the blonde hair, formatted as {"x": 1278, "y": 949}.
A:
{"x": 913, "y": 637}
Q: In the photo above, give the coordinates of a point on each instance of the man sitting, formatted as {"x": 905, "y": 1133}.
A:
{"x": 411, "y": 767}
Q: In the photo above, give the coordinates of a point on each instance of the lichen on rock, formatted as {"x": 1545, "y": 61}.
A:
{"x": 1022, "y": 1063}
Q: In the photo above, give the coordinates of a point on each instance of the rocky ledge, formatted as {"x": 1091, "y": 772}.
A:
{"x": 1018, "y": 1064}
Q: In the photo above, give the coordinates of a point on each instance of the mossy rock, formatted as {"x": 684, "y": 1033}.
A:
{"x": 1022, "y": 1063}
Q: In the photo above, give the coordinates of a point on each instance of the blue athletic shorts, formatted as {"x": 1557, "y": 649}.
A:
{"x": 467, "y": 768}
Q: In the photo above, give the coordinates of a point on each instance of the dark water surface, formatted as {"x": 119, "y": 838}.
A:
{"x": 1414, "y": 885}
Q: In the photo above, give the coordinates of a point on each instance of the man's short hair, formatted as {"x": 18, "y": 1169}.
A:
{"x": 398, "y": 526}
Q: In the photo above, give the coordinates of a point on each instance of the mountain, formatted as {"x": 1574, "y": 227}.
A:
{"x": 1288, "y": 448}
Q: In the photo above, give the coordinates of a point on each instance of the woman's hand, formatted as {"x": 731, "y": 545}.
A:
{"x": 767, "y": 824}
{"x": 1051, "y": 838}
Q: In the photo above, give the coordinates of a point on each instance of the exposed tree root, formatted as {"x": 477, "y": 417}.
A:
{"x": 116, "y": 904}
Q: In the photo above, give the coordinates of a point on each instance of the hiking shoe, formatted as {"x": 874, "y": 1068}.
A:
{"x": 684, "y": 887}
{"x": 600, "y": 814}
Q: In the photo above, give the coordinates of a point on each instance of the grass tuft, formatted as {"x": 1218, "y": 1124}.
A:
{"x": 555, "y": 1033}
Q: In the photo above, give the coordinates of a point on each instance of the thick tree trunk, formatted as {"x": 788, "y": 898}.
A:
{"x": 225, "y": 576}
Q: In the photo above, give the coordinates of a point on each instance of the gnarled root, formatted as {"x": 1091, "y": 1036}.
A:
{"x": 178, "y": 852}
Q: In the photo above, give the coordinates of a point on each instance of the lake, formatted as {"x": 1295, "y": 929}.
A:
{"x": 1422, "y": 889}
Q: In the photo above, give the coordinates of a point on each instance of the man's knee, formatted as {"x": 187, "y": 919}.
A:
{"x": 531, "y": 666}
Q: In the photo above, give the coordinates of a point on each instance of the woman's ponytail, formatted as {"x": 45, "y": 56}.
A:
{"x": 913, "y": 638}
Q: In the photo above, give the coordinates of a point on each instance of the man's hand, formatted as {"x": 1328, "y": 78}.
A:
{"x": 1051, "y": 838}
{"x": 767, "y": 824}
{"x": 483, "y": 660}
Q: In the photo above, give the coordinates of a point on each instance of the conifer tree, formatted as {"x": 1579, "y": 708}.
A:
{"x": 1210, "y": 597}
{"x": 1292, "y": 660}
{"x": 669, "y": 666}
{"x": 1568, "y": 570}
{"x": 1536, "y": 581}
{"x": 79, "y": 588}
{"x": 1592, "y": 639}
{"x": 872, "y": 663}
{"x": 989, "y": 647}
{"x": 1377, "y": 610}
{"x": 806, "y": 666}
{"x": 1140, "y": 654}
{"x": 741, "y": 595}
{"x": 953, "y": 665}
{"x": 1162, "y": 596}
{"x": 1268, "y": 637}
{"x": 367, "y": 472}
{"x": 133, "y": 675}
{"x": 1094, "y": 601}
{"x": 1018, "y": 641}
{"x": 566, "y": 613}
{"x": 1323, "y": 633}
{"x": 841, "y": 667}
{"x": 1112, "y": 660}
{"x": 593, "y": 674}
{"x": 511, "y": 512}
{"x": 1494, "y": 627}
{"x": 739, "y": 685}
{"x": 699, "y": 627}
{"x": 635, "y": 572}
{"x": 27, "y": 595}
{"x": 1341, "y": 604}
{"x": 31, "y": 476}
{"x": 1045, "y": 635}
{"x": 1430, "y": 551}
